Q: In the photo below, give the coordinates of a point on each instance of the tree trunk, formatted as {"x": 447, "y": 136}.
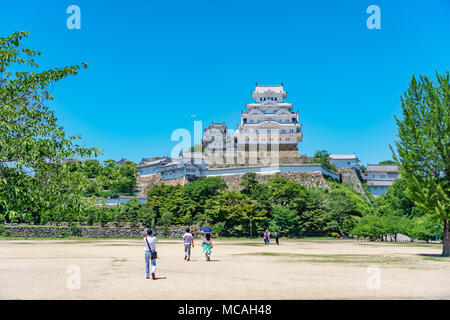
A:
{"x": 446, "y": 239}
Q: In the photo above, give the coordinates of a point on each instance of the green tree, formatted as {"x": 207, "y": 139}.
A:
{"x": 423, "y": 149}
{"x": 344, "y": 204}
{"x": 34, "y": 150}
{"x": 387, "y": 162}
{"x": 260, "y": 195}
{"x": 369, "y": 226}
{"x": 285, "y": 221}
{"x": 131, "y": 210}
{"x": 166, "y": 219}
{"x": 396, "y": 202}
{"x": 323, "y": 157}
{"x": 234, "y": 210}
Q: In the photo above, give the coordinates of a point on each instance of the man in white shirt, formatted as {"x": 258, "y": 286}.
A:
{"x": 150, "y": 249}
{"x": 188, "y": 241}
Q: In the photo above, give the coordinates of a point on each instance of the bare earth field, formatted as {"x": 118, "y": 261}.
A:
{"x": 240, "y": 269}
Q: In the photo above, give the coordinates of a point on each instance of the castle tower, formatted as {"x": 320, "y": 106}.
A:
{"x": 269, "y": 121}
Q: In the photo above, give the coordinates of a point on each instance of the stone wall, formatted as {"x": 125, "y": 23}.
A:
{"x": 249, "y": 158}
{"x": 147, "y": 182}
{"x": 173, "y": 182}
{"x": 92, "y": 232}
{"x": 309, "y": 179}
{"x": 350, "y": 177}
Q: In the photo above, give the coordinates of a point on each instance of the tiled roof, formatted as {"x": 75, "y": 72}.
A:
{"x": 262, "y": 89}
{"x": 146, "y": 163}
{"x": 382, "y": 168}
{"x": 380, "y": 183}
{"x": 343, "y": 156}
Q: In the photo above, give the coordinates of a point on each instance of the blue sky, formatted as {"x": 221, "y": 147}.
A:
{"x": 156, "y": 66}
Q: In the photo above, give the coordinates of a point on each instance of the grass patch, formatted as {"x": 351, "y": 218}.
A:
{"x": 66, "y": 238}
{"x": 447, "y": 259}
{"x": 118, "y": 244}
{"x": 118, "y": 261}
{"x": 402, "y": 244}
{"x": 332, "y": 258}
{"x": 250, "y": 244}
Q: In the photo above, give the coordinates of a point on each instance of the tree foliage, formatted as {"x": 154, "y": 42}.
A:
{"x": 423, "y": 148}
{"x": 35, "y": 152}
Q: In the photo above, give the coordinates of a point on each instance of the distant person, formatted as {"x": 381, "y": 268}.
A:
{"x": 188, "y": 242}
{"x": 207, "y": 246}
{"x": 276, "y": 235}
{"x": 150, "y": 252}
{"x": 266, "y": 237}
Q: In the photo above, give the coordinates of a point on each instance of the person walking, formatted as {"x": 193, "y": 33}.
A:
{"x": 207, "y": 246}
{"x": 188, "y": 242}
{"x": 276, "y": 235}
{"x": 150, "y": 252}
{"x": 266, "y": 237}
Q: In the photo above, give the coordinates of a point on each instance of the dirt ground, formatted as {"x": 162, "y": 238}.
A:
{"x": 240, "y": 269}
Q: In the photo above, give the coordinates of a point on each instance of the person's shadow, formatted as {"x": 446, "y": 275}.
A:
{"x": 160, "y": 278}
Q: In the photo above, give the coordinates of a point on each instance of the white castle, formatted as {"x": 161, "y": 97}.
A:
{"x": 269, "y": 129}
{"x": 269, "y": 122}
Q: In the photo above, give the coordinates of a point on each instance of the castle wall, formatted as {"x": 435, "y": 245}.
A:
{"x": 307, "y": 175}
{"x": 350, "y": 177}
{"x": 147, "y": 182}
{"x": 307, "y": 179}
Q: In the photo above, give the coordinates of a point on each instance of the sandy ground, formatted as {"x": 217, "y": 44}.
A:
{"x": 240, "y": 269}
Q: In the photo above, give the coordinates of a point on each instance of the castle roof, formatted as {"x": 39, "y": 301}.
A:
{"x": 382, "y": 168}
{"x": 343, "y": 157}
{"x": 263, "y": 89}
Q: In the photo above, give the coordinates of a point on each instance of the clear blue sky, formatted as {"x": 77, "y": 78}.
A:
{"x": 156, "y": 66}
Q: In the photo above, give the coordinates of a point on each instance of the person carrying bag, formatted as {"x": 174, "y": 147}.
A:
{"x": 150, "y": 252}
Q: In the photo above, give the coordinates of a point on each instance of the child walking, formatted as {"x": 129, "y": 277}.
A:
{"x": 207, "y": 246}
{"x": 266, "y": 237}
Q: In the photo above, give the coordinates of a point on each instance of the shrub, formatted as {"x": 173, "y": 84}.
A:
{"x": 75, "y": 230}
{"x": 62, "y": 234}
{"x": 2, "y": 230}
